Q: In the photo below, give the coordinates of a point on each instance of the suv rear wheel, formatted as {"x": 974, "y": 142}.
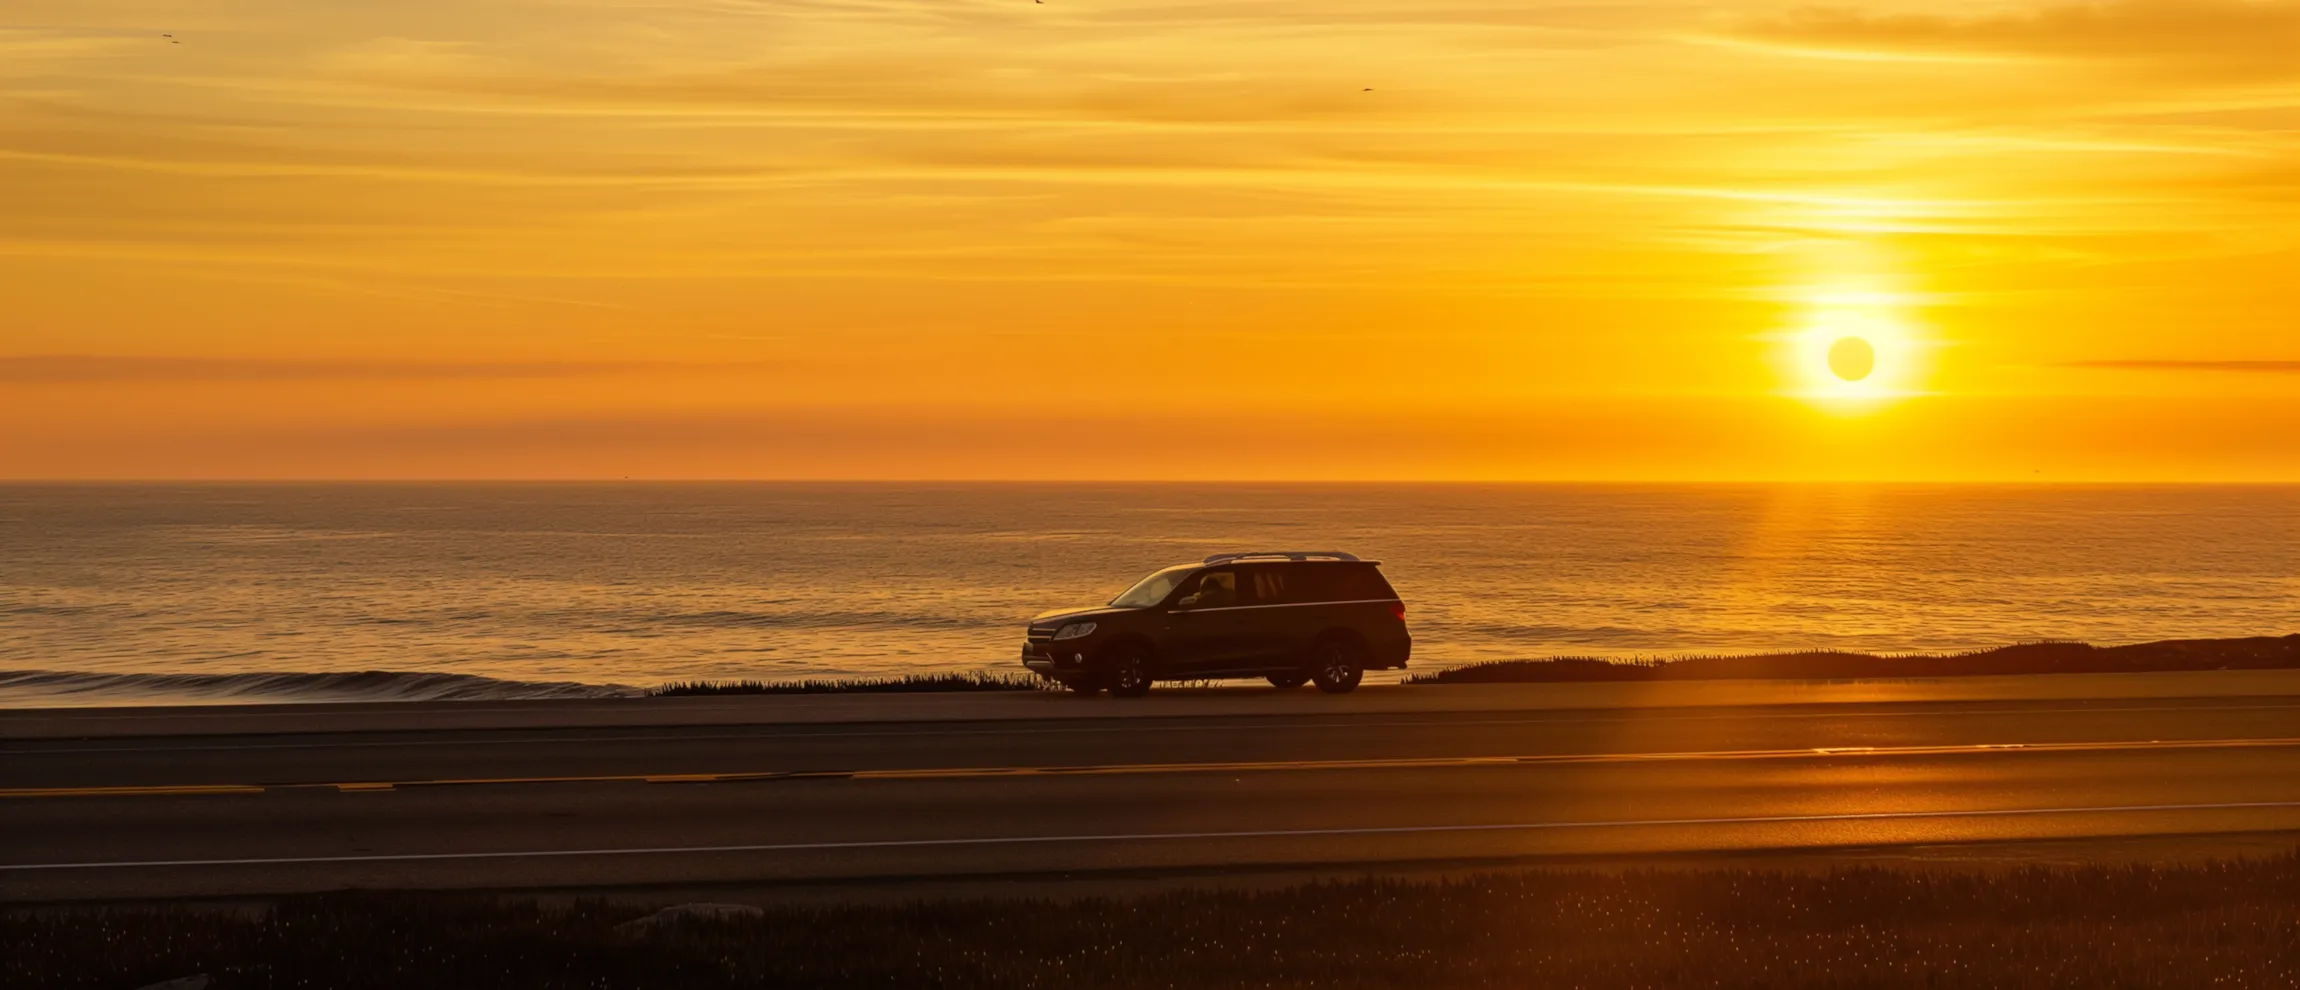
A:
{"x": 1337, "y": 667}
{"x": 1127, "y": 674}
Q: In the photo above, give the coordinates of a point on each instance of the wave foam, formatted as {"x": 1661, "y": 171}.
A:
{"x": 62, "y": 688}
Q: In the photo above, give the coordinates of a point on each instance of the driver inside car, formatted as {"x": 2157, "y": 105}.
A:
{"x": 1217, "y": 590}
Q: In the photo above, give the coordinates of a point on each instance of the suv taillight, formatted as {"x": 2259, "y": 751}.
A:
{"x": 1398, "y": 609}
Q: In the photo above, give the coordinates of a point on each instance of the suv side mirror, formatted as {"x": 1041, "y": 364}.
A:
{"x": 1186, "y": 601}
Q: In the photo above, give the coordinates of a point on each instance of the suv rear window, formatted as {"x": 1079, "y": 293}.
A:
{"x": 1322, "y": 582}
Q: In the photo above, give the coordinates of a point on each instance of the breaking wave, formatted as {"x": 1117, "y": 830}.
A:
{"x": 60, "y": 688}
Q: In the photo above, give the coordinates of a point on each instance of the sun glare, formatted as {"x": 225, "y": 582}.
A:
{"x": 1853, "y": 352}
{"x": 1852, "y": 358}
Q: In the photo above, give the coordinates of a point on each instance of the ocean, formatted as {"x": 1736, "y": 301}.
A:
{"x": 174, "y": 593}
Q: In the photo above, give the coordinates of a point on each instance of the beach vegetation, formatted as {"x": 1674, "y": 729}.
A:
{"x": 2233, "y": 924}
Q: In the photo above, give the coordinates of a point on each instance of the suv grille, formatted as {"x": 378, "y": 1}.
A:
{"x": 1042, "y": 635}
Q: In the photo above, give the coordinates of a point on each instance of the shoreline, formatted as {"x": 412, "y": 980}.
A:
{"x": 46, "y": 690}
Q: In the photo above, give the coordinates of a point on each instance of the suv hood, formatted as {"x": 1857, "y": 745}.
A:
{"x": 1078, "y": 613}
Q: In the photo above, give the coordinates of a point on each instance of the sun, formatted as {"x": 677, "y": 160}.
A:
{"x": 1853, "y": 351}
{"x": 1852, "y": 358}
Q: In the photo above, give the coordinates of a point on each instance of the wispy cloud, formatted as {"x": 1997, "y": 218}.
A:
{"x": 2215, "y": 36}
{"x": 2272, "y": 367}
{"x": 90, "y": 369}
{"x": 559, "y": 209}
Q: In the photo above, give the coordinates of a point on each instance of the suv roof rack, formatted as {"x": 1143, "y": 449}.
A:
{"x": 1224, "y": 558}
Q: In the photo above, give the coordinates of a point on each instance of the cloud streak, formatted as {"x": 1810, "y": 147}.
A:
{"x": 73, "y": 369}
{"x": 2220, "y": 36}
{"x": 456, "y": 215}
{"x": 2269, "y": 367}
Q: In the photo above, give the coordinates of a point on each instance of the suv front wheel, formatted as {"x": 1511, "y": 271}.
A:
{"x": 1336, "y": 666}
{"x": 1127, "y": 674}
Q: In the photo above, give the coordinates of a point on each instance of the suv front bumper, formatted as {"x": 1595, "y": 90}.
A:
{"x": 1044, "y": 659}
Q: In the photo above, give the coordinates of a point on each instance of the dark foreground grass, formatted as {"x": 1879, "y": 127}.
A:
{"x": 2255, "y": 653}
{"x": 2233, "y": 925}
{"x": 906, "y": 684}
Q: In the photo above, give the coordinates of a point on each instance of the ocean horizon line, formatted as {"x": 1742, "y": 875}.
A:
{"x": 2106, "y": 483}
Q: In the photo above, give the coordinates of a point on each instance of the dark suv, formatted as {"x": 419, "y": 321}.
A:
{"x": 1290, "y": 616}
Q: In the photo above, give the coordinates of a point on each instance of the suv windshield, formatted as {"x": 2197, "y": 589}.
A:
{"x": 1153, "y": 589}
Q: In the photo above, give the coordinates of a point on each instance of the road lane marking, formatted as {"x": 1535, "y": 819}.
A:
{"x": 1134, "y": 769}
{"x": 1410, "y": 763}
{"x": 783, "y": 731}
{"x": 1023, "y": 840}
{"x": 157, "y": 790}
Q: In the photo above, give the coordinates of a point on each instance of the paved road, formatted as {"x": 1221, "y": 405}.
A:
{"x": 110, "y": 816}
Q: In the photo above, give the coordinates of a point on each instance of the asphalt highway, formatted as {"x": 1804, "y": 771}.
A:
{"x": 593, "y": 806}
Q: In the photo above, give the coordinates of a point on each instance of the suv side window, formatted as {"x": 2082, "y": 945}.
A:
{"x": 1322, "y": 582}
{"x": 1316, "y": 583}
{"x": 1212, "y": 589}
{"x": 1265, "y": 585}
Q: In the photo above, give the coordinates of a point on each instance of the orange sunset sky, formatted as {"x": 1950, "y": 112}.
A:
{"x": 1381, "y": 239}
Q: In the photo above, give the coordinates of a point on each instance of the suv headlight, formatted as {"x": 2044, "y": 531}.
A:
{"x": 1074, "y": 630}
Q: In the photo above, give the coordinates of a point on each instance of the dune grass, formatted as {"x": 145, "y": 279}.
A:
{"x": 2255, "y": 653}
{"x": 2234, "y": 925}
{"x": 906, "y": 684}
